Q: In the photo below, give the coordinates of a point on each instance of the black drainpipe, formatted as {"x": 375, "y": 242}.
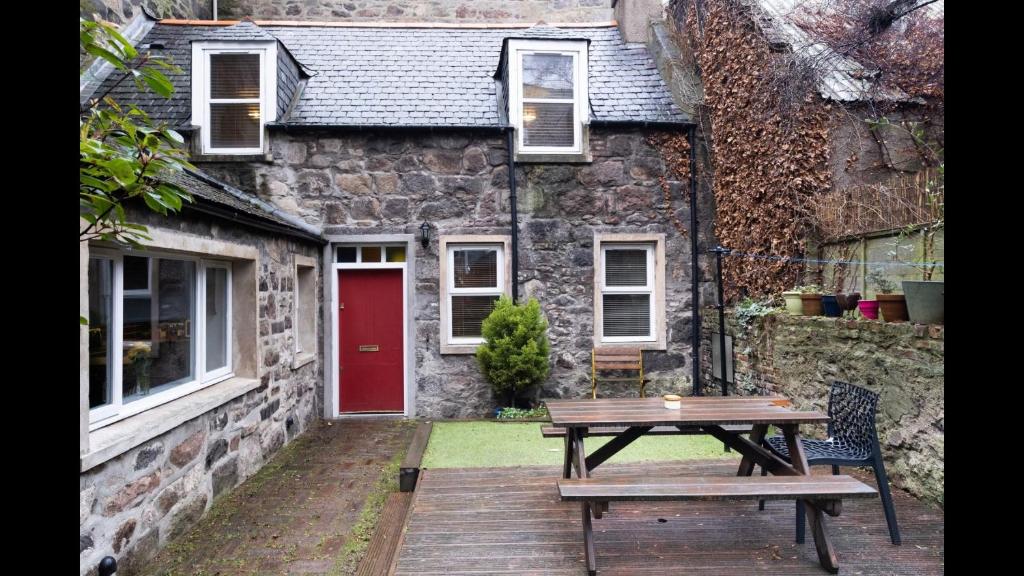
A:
{"x": 694, "y": 268}
{"x": 515, "y": 214}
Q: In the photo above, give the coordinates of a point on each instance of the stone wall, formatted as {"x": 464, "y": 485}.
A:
{"x": 422, "y": 11}
{"x": 799, "y": 357}
{"x": 133, "y": 504}
{"x": 122, "y": 11}
{"x": 389, "y": 182}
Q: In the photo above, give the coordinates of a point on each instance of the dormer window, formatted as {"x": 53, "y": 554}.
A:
{"x": 234, "y": 95}
{"x": 548, "y": 102}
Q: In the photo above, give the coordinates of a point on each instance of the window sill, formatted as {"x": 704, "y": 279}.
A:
{"x": 459, "y": 348}
{"x": 643, "y": 345}
{"x": 528, "y": 158}
{"x": 116, "y": 439}
{"x": 302, "y": 359}
{"x": 265, "y": 157}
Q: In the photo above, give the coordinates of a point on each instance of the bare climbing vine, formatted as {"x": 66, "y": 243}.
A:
{"x": 675, "y": 152}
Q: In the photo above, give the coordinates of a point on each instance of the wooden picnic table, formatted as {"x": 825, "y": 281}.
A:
{"x": 709, "y": 413}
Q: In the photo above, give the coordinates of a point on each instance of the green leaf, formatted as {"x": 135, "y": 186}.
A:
{"x": 82, "y": 320}
{"x": 106, "y": 55}
{"x": 154, "y": 201}
{"x": 120, "y": 41}
{"x": 121, "y": 169}
{"x": 158, "y": 83}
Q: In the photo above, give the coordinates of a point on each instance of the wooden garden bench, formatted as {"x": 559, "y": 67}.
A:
{"x": 826, "y": 493}
{"x": 617, "y": 360}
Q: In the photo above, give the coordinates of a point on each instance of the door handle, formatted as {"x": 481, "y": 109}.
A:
{"x": 369, "y": 348}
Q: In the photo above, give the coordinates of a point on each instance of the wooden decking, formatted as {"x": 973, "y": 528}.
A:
{"x": 511, "y": 521}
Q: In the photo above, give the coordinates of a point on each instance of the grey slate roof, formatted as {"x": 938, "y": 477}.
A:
{"x": 365, "y": 76}
{"x": 244, "y": 30}
{"x": 207, "y": 188}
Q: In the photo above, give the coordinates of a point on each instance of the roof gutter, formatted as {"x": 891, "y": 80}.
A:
{"x": 288, "y": 127}
{"x": 642, "y": 123}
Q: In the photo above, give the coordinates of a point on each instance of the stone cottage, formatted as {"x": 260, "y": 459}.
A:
{"x": 365, "y": 192}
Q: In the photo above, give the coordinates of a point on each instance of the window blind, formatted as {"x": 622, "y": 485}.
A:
{"x": 625, "y": 268}
{"x": 627, "y": 314}
{"x": 234, "y": 76}
{"x": 548, "y": 123}
{"x": 475, "y": 268}
{"x": 468, "y": 313}
{"x": 235, "y": 125}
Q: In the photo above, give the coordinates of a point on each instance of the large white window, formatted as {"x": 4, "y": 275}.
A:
{"x": 548, "y": 102}
{"x": 629, "y": 286}
{"x": 474, "y": 277}
{"x": 234, "y": 94}
{"x": 159, "y": 328}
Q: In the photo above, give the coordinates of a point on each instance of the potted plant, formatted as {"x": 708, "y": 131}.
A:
{"x": 810, "y": 299}
{"x": 830, "y": 306}
{"x": 514, "y": 355}
{"x": 892, "y": 306}
{"x": 926, "y": 302}
{"x": 794, "y": 306}
{"x": 868, "y": 308}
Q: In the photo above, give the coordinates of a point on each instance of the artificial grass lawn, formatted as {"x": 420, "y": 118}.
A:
{"x": 492, "y": 444}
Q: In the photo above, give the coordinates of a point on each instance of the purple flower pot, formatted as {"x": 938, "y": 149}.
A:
{"x": 869, "y": 308}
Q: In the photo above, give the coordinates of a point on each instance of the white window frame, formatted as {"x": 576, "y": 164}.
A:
{"x": 497, "y": 290}
{"x": 201, "y": 101}
{"x": 447, "y": 246}
{"x": 581, "y": 78}
{"x": 117, "y": 410}
{"x": 647, "y": 290}
{"x": 224, "y": 371}
{"x": 654, "y": 245}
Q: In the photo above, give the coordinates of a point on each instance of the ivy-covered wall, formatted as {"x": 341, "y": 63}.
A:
{"x": 776, "y": 144}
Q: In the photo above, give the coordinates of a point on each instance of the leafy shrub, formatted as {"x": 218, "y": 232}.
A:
{"x": 514, "y": 355}
{"x": 749, "y": 309}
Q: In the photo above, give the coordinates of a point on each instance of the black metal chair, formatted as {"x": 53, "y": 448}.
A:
{"x": 853, "y": 441}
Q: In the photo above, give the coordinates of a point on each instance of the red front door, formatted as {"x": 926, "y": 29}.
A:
{"x": 370, "y": 342}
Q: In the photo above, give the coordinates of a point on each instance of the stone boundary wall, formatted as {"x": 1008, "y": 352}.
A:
{"x": 422, "y": 11}
{"x": 122, "y": 11}
{"x": 799, "y": 356}
{"x": 132, "y": 505}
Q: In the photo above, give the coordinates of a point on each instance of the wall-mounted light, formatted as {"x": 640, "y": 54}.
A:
{"x": 425, "y": 234}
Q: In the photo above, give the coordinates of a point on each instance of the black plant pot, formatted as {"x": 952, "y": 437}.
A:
{"x": 830, "y": 306}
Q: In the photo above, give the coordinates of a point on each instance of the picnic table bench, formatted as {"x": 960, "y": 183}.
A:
{"x": 822, "y": 495}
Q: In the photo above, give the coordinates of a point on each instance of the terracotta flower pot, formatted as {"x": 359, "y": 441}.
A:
{"x": 869, "y": 308}
{"x": 794, "y": 306}
{"x": 811, "y": 304}
{"x": 893, "y": 307}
